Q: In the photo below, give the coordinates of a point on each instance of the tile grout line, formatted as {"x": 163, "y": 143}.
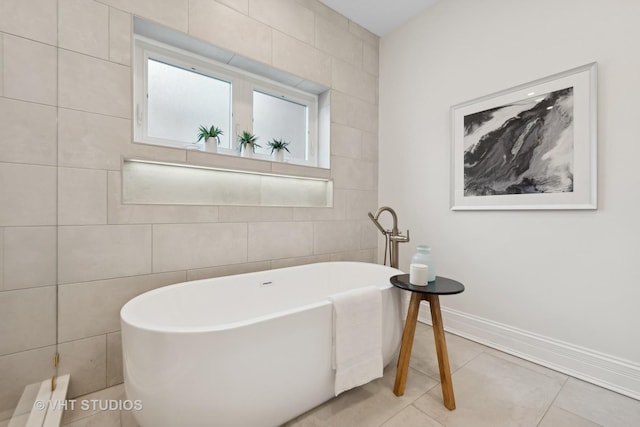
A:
{"x": 567, "y": 410}
{"x": 56, "y": 367}
{"x": 106, "y": 361}
{"x": 84, "y": 417}
{"x": 423, "y": 412}
{"x": 553, "y": 401}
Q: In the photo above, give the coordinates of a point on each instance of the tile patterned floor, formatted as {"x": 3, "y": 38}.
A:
{"x": 491, "y": 388}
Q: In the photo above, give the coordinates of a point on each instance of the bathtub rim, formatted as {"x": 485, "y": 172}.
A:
{"x": 324, "y": 301}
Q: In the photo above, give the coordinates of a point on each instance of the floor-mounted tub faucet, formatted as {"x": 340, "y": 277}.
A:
{"x": 392, "y": 237}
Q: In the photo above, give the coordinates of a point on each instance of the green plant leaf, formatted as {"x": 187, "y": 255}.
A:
{"x": 278, "y": 145}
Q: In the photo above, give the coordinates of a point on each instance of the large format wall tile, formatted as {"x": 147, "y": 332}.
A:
{"x": 363, "y": 255}
{"x": 119, "y": 36}
{"x": 27, "y": 319}
{"x": 364, "y": 34}
{"x": 336, "y": 237}
{"x": 360, "y": 203}
{"x": 30, "y": 257}
{"x": 91, "y": 140}
{"x": 323, "y": 11}
{"x": 338, "y": 42}
{"x": 33, "y": 19}
{"x": 346, "y": 141}
{"x": 86, "y": 361}
{"x": 299, "y": 58}
{"x": 370, "y": 146}
{"x": 254, "y": 213}
{"x": 27, "y": 195}
{"x": 94, "y": 252}
{"x": 232, "y": 30}
{"x": 1, "y": 64}
{"x": 274, "y": 240}
{"x": 351, "y": 111}
{"x": 91, "y": 84}
{"x": 353, "y": 81}
{"x": 334, "y": 213}
{"x": 93, "y": 308}
{"x": 241, "y": 6}
{"x": 20, "y": 369}
{"x": 115, "y": 374}
{"x": 291, "y": 262}
{"x": 30, "y": 70}
{"x": 83, "y": 26}
{"x": 227, "y": 270}
{"x": 82, "y": 196}
{"x": 354, "y": 174}
{"x": 1, "y": 259}
{"x": 370, "y": 59}
{"x": 189, "y": 246}
{"x": 287, "y": 16}
{"x": 20, "y": 140}
{"x": 368, "y": 234}
{"x": 172, "y": 13}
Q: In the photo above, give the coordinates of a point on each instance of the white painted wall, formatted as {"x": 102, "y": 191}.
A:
{"x": 571, "y": 276}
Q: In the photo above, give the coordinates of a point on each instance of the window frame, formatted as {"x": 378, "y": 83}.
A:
{"x": 243, "y": 84}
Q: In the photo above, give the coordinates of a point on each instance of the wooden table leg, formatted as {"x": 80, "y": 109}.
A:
{"x": 407, "y": 343}
{"x": 441, "y": 349}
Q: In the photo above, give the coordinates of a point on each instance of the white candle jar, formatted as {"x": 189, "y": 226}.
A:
{"x": 425, "y": 257}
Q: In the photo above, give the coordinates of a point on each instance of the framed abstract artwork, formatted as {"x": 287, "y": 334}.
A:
{"x": 533, "y": 146}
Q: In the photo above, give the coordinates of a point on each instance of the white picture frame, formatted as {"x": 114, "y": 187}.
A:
{"x": 533, "y": 146}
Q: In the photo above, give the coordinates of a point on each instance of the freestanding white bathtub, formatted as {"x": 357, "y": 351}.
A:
{"x": 247, "y": 350}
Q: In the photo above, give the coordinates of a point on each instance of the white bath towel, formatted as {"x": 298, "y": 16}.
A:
{"x": 357, "y": 337}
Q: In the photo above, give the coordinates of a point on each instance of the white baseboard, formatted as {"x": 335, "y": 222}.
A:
{"x": 607, "y": 371}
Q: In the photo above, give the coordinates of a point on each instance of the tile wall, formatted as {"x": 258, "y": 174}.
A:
{"x": 65, "y": 122}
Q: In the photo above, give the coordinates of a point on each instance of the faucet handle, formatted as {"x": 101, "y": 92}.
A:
{"x": 400, "y": 238}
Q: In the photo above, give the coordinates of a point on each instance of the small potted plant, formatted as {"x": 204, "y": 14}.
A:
{"x": 210, "y": 135}
{"x": 247, "y": 144}
{"x": 278, "y": 147}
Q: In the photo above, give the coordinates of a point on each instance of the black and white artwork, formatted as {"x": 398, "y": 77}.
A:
{"x": 521, "y": 147}
{"x": 533, "y": 146}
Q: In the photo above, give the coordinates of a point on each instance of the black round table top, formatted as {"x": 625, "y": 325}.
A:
{"x": 440, "y": 286}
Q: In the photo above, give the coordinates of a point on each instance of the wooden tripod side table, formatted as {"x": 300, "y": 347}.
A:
{"x": 430, "y": 293}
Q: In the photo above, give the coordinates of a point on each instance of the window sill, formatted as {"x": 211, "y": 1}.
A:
{"x": 231, "y": 159}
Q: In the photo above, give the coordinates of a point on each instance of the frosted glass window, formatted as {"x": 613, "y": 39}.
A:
{"x": 180, "y": 101}
{"x": 177, "y": 90}
{"x": 279, "y": 118}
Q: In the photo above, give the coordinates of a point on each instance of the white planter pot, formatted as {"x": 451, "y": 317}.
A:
{"x": 278, "y": 156}
{"x": 247, "y": 151}
{"x": 212, "y": 145}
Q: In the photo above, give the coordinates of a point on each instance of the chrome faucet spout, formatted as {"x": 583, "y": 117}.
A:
{"x": 392, "y": 237}
{"x": 394, "y": 217}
